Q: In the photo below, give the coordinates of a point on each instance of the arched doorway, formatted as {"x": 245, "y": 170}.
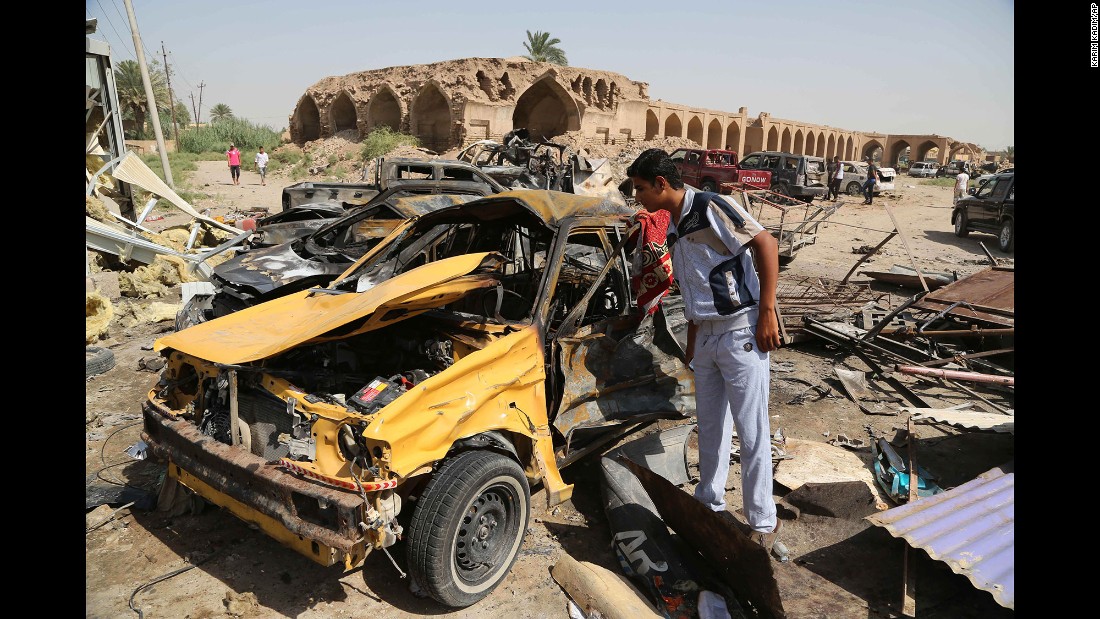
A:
{"x": 652, "y": 125}
{"x": 342, "y": 114}
{"x": 773, "y": 139}
{"x": 431, "y": 118}
{"x": 695, "y": 130}
{"x": 307, "y": 120}
{"x": 798, "y": 142}
{"x": 546, "y": 110}
{"x": 785, "y": 143}
{"x": 733, "y": 136}
{"x": 673, "y": 128}
{"x": 830, "y": 147}
{"x": 714, "y": 134}
{"x": 384, "y": 111}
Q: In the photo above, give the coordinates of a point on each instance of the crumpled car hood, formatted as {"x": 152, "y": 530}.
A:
{"x": 278, "y": 325}
{"x": 268, "y": 268}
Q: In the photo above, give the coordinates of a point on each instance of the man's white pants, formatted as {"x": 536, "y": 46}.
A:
{"x": 731, "y": 388}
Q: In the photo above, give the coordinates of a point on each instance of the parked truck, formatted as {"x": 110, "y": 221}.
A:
{"x": 708, "y": 169}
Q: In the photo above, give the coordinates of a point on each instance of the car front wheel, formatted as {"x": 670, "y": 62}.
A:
{"x": 467, "y": 528}
{"x": 960, "y": 225}
{"x": 854, "y": 189}
{"x": 709, "y": 186}
{"x": 1006, "y": 240}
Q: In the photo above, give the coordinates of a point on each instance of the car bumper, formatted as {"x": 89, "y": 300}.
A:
{"x": 316, "y": 520}
{"x": 808, "y": 192}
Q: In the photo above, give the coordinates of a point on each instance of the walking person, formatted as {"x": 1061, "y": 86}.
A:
{"x": 234, "y": 157}
{"x": 261, "y": 165}
{"x": 869, "y": 184}
{"x": 962, "y": 181}
{"x": 835, "y": 175}
{"x": 730, "y": 305}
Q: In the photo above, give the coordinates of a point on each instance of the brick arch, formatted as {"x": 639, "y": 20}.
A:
{"x": 546, "y": 109}
{"x": 785, "y": 140}
{"x": 820, "y": 145}
{"x": 896, "y": 149}
{"x": 849, "y": 148}
{"x": 733, "y": 135}
{"x": 306, "y": 120}
{"x": 695, "y": 130}
{"x": 830, "y": 146}
{"x": 430, "y": 117}
{"x": 798, "y": 142}
{"x": 920, "y": 152}
{"x": 385, "y": 109}
{"x": 870, "y": 148}
{"x": 714, "y": 134}
{"x": 342, "y": 114}
{"x": 773, "y": 139}
{"x": 811, "y": 142}
{"x": 673, "y": 127}
{"x": 652, "y": 125}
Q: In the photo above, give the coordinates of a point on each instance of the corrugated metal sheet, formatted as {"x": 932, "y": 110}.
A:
{"x": 971, "y": 528}
{"x": 990, "y": 292}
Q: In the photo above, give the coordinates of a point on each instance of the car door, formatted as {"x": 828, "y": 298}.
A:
{"x": 609, "y": 368}
{"x": 982, "y": 208}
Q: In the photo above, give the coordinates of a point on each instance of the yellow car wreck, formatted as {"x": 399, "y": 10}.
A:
{"x": 476, "y": 351}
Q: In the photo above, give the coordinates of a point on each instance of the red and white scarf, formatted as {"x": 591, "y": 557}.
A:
{"x": 651, "y": 267}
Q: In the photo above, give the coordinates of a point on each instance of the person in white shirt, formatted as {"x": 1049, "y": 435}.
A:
{"x": 961, "y": 182}
{"x": 261, "y": 165}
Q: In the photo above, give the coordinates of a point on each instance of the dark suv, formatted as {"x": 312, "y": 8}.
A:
{"x": 798, "y": 176}
{"x": 989, "y": 208}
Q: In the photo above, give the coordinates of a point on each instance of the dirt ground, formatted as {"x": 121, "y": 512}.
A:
{"x": 211, "y": 564}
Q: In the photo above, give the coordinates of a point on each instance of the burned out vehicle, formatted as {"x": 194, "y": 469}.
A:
{"x": 307, "y": 205}
{"x": 259, "y": 275}
{"x": 478, "y": 350}
{"x": 522, "y": 163}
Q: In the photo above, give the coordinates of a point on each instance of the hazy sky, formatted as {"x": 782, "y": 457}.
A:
{"x": 934, "y": 66}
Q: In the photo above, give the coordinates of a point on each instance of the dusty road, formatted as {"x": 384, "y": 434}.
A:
{"x": 232, "y": 570}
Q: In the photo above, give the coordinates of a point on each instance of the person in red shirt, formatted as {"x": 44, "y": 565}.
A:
{"x": 234, "y": 157}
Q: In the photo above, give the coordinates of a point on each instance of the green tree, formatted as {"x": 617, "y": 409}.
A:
{"x": 183, "y": 118}
{"x": 220, "y": 111}
{"x": 1010, "y": 151}
{"x": 541, "y": 48}
{"x": 131, "y": 91}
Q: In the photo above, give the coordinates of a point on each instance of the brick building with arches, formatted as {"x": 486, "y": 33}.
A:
{"x": 452, "y": 103}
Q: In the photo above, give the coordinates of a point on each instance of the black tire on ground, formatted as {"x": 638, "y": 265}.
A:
{"x": 854, "y": 189}
{"x": 960, "y": 225}
{"x": 781, "y": 189}
{"x": 1006, "y": 238}
{"x": 97, "y": 360}
{"x": 785, "y": 260}
{"x": 468, "y": 526}
{"x": 709, "y": 186}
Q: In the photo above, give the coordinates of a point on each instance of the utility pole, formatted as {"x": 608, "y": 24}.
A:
{"x": 201, "y": 86}
{"x": 154, "y": 112}
{"x": 194, "y": 109}
{"x": 171, "y": 97}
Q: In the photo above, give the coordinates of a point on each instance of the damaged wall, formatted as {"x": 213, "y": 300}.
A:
{"x": 453, "y": 103}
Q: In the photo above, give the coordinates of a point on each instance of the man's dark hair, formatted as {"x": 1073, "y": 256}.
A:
{"x": 654, "y": 162}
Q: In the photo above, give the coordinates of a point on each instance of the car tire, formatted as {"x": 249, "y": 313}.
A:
{"x": 97, "y": 360}
{"x": 709, "y": 186}
{"x": 854, "y": 189}
{"x": 468, "y": 526}
{"x": 1006, "y": 238}
{"x": 781, "y": 189}
{"x": 960, "y": 225}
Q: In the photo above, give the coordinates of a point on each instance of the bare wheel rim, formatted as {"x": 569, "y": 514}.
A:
{"x": 486, "y": 535}
{"x": 1006, "y": 234}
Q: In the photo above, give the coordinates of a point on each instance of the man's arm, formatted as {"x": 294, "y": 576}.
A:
{"x": 766, "y": 251}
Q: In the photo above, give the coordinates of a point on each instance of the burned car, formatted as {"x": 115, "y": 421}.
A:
{"x": 477, "y": 351}
{"x": 522, "y": 163}
{"x": 308, "y": 206}
{"x": 263, "y": 274}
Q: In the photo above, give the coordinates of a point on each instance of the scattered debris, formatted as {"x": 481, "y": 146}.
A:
{"x": 892, "y": 473}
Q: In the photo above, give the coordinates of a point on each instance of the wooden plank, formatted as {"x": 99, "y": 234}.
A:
{"x": 597, "y": 589}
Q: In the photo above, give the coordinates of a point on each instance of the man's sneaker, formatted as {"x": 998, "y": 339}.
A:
{"x": 765, "y": 540}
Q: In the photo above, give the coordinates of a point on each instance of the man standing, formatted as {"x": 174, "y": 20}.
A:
{"x": 234, "y": 157}
{"x": 962, "y": 180}
{"x": 869, "y": 184}
{"x": 835, "y": 175}
{"x": 730, "y": 306}
{"x": 261, "y": 165}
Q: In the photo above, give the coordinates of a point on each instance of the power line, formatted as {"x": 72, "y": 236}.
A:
{"x": 126, "y": 20}
{"x": 111, "y": 24}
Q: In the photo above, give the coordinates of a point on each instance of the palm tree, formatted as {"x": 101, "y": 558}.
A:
{"x": 220, "y": 111}
{"x": 131, "y": 91}
{"x": 541, "y": 48}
